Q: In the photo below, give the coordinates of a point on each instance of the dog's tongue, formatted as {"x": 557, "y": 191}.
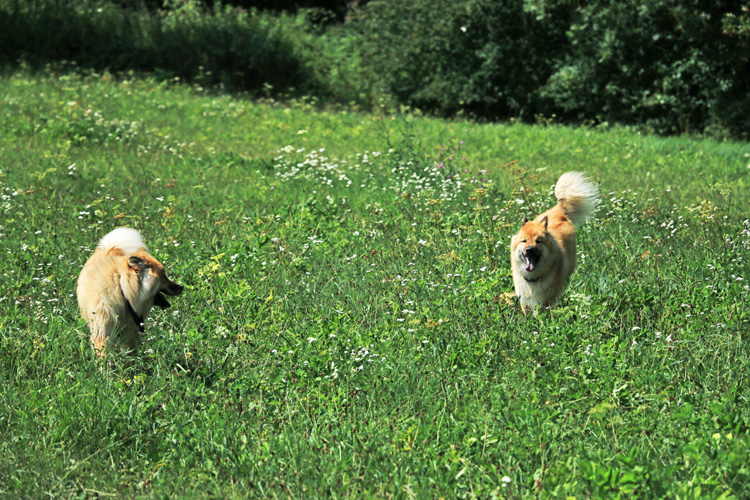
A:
{"x": 529, "y": 265}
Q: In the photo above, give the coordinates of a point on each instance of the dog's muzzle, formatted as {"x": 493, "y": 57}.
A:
{"x": 532, "y": 255}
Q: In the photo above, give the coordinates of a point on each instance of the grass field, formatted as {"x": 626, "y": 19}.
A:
{"x": 348, "y": 329}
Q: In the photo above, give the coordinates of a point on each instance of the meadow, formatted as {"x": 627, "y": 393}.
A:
{"x": 348, "y": 328}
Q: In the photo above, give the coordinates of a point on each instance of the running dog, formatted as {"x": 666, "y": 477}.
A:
{"x": 543, "y": 252}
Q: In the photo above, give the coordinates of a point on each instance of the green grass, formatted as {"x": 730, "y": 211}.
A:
{"x": 346, "y": 330}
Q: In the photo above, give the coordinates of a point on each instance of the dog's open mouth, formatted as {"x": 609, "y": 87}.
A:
{"x": 161, "y": 301}
{"x": 531, "y": 256}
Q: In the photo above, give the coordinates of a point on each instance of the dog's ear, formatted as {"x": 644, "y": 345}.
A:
{"x": 544, "y": 221}
{"x": 136, "y": 263}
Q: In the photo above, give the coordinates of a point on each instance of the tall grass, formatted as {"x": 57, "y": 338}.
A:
{"x": 348, "y": 327}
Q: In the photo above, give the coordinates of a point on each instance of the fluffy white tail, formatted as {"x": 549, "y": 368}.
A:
{"x": 125, "y": 238}
{"x": 577, "y": 195}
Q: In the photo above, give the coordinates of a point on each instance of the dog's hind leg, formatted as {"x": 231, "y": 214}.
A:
{"x": 103, "y": 326}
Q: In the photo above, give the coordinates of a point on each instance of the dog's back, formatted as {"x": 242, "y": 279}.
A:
{"x": 577, "y": 198}
{"x": 101, "y": 271}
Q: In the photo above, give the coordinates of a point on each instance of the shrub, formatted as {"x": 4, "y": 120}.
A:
{"x": 237, "y": 49}
{"x": 478, "y": 56}
{"x": 668, "y": 65}
{"x": 664, "y": 65}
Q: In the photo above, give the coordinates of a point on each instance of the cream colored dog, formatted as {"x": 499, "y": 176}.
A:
{"x": 117, "y": 288}
{"x": 543, "y": 252}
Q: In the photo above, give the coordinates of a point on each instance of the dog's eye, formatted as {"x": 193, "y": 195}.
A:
{"x": 523, "y": 240}
{"x": 539, "y": 241}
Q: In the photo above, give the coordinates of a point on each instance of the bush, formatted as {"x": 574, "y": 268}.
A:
{"x": 236, "y": 49}
{"x": 482, "y": 57}
{"x": 668, "y": 65}
{"x": 663, "y": 65}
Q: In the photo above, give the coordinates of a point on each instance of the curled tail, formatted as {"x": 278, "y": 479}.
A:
{"x": 127, "y": 239}
{"x": 577, "y": 195}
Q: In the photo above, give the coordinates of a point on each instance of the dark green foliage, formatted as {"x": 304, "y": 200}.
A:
{"x": 664, "y": 66}
{"x": 236, "y": 49}
{"x": 328, "y": 10}
{"x": 673, "y": 67}
{"x": 481, "y": 57}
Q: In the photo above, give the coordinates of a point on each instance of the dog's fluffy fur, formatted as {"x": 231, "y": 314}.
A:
{"x": 543, "y": 252}
{"x": 117, "y": 288}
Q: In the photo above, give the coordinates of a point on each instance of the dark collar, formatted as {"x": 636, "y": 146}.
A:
{"x": 138, "y": 320}
{"x": 531, "y": 281}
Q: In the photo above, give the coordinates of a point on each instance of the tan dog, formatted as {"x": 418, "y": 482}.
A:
{"x": 543, "y": 252}
{"x": 117, "y": 288}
